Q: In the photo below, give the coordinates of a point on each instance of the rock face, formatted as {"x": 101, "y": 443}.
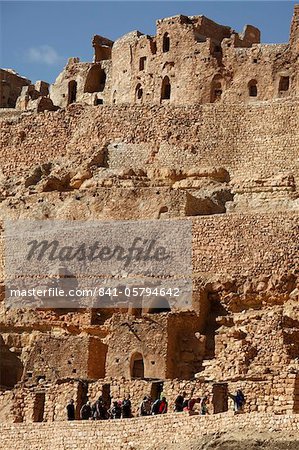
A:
{"x": 229, "y": 167}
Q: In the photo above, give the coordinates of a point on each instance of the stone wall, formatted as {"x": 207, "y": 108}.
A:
{"x": 239, "y": 244}
{"x": 249, "y": 141}
{"x": 11, "y": 86}
{"x": 137, "y": 434}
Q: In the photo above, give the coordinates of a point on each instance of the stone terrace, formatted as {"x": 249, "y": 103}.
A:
{"x": 136, "y": 434}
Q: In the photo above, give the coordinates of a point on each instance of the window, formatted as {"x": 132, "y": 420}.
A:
{"x": 166, "y": 89}
{"x": 216, "y": 88}
{"x": 142, "y": 63}
{"x": 153, "y": 47}
{"x": 166, "y": 43}
{"x": 138, "y": 92}
{"x": 284, "y": 84}
{"x": 137, "y": 366}
{"x": 252, "y": 88}
{"x": 72, "y": 92}
{"x": 95, "y": 80}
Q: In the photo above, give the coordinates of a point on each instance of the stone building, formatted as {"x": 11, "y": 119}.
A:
{"x": 118, "y": 145}
{"x": 190, "y": 60}
{"x": 11, "y": 86}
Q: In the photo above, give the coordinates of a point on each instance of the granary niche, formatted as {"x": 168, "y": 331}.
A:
{"x": 217, "y": 86}
{"x": 95, "y": 80}
{"x": 284, "y": 84}
{"x": 137, "y": 366}
{"x": 166, "y": 89}
{"x": 252, "y": 88}
{"x": 72, "y": 92}
{"x": 166, "y": 43}
{"x": 138, "y": 93}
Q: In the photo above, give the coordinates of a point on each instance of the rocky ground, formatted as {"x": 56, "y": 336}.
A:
{"x": 242, "y": 440}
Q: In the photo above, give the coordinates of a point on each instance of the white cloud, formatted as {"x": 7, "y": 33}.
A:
{"x": 44, "y": 54}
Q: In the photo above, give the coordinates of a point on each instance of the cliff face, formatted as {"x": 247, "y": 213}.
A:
{"x": 233, "y": 171}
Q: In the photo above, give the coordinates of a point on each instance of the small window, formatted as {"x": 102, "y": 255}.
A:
{"x": 166, "y": 43}
{"x": 137, "y": 366}
{"x": 142, "y": 63}
{"x": 166, "y": 89}
{"x": 252, "y": 88}
{"x": 72, "y": 92}
{"x": 284, "y": 84}
{"x": 216, "y": 88}
{"x": 139, "y": 92}
{"x": 153, "y": 47}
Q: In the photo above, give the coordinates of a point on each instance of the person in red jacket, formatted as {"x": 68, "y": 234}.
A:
{"x": 163, "y": 406}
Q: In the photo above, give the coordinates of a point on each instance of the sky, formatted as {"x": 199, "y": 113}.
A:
{"x": 38, "y": 37}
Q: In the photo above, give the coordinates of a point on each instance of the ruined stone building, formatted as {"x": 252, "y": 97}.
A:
{"x": 198, "y": 122}
{"x": 190, "y": 60}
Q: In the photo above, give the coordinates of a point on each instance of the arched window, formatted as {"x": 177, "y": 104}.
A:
{"x": 284, "y": 84}
{"x": 72, "y": 92}
{"x": 138, "y": 92}
{"x": 95, "y": 80}
{"x": 159, "y": 305}
{"x": 166, "y": 43}
{"x": 166, "y": 89}
{"x": 137, "y": 366}
{"x": 216, "y": 88}
{"x": 252, "y": 88}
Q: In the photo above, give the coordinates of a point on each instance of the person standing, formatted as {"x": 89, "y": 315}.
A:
{"x": 85, "y": 411}
{"x": 178, "y": 404}
{"x": 163, "y": 406}
{"x": 70, "y": 409}
{"x": 239, "y": 401}
{"x": 204, "y": 406}
{"x": 126, "y": 407}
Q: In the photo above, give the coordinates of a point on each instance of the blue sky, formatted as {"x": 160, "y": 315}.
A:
{"x": 37, "y": 37}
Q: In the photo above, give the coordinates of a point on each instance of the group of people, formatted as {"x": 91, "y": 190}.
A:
{"x": 122, "y": 409}
{"x": 187, "y": 404}
{"x": 99, "y": 410}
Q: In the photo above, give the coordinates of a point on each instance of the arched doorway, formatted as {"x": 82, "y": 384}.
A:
{"x": 72, "y": 92}
{"x": 95, "y": 80}
{"x": 166, "y": 89}
{"x": 252, "y": 88}
{"x": 137, "y": 366}
{"x": 159, "y": 305}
